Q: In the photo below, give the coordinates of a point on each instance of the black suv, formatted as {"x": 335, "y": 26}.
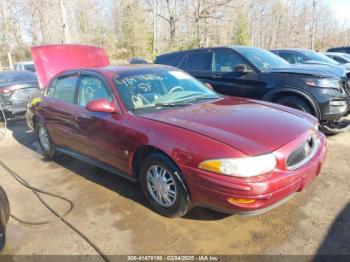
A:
{"x": 320, "y": 90}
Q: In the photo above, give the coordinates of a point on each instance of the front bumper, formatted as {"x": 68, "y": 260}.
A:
{"x": 268, "y": 191}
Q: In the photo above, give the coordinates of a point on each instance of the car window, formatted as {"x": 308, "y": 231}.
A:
{"x": 199, "y": 61}
{"x": 292, "y": 58}
{"x": 91, "y": 88}
{"x": 339, "y": 59}
{"x": 225, "y": 60}
{"x": 65, "y": 88}
{"x": 51, "y": 88}
{"x": 183, "y": 63}
{"x": 17, "y": 77}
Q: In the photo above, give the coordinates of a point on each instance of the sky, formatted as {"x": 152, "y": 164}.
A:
{"x": 341, "y": 9}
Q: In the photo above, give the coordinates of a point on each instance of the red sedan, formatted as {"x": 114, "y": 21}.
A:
{"x": 185, "y": 144}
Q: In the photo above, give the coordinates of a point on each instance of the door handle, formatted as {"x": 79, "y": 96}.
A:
{"x": 216, "y": 76}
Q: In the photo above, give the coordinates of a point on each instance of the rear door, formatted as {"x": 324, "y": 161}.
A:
{"x": 99, "y": 135}
{"x": 58, "y": 109}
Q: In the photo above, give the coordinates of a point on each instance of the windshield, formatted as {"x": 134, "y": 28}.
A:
{"x": 262, "y": 59}
{"x": 319, "y": 57}
{"x": 346, "y": 56}
{"x": 16, "y": 77}
{"x": 156, "y": 88}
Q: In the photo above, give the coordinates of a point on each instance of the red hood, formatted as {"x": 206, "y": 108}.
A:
{"x": 253, "y": 128}
{"x": 49, "y": 60}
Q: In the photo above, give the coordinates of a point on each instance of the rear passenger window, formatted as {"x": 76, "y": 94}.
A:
{"x": 65, "y": 89}
{"x": 199, "y": 61}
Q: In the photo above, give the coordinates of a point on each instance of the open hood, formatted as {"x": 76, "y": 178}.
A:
{"x": 49, "y": 60}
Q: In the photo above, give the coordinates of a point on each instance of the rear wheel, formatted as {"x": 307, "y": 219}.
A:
{"x": 295, "y": 102}
{"x": 163, "y": 186}
{"x": 45, "y": 141}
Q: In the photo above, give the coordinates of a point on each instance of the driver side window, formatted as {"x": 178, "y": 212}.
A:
{"x": 225, "y": 60}
{"x": 91, "y": 88}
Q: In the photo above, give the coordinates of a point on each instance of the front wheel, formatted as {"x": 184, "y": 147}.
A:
{"x": 295, "y": 102}
{"x": 335, "y": 127}
{"x": 163, "y": 186}
{"x": 45, "y": 141}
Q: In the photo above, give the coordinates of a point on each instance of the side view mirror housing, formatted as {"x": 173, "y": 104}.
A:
{"x": 242, "y": 69}
{"x": 102, "y": 105}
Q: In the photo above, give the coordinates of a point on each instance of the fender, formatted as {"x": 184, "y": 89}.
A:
{"x": 294, "y": 91}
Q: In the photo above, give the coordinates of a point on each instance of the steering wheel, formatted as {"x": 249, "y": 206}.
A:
{"x": 179, "y": 88}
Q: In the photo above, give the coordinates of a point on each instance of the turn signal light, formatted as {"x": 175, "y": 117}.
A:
{"x": 234, "y": 200}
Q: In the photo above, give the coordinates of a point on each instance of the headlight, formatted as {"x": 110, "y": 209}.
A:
{"x": 325, "y": 82}
{"x": 241, "y": 167}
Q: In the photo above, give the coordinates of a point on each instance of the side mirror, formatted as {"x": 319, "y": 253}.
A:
{"x": 102, "y": 105}
{"x": 242, "y": 69}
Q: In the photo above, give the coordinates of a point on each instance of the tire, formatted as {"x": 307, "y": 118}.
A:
{"x": 174, "y": 204}
{"x": 4, "y": 216}
{"x": 295, "y": 102}
{"x": 48, "y": 149}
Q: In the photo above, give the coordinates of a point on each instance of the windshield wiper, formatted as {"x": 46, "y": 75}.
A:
{"x": 172, "y": 104}
{"x": 200, "y": 98}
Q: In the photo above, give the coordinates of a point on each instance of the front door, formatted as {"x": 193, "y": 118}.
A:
{"x": 226, "y": 80}
{"x": 100, "y": 134}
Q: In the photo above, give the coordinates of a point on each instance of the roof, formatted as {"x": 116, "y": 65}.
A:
{"x": 206, "y": 48}
{"x": 291, "y": 49}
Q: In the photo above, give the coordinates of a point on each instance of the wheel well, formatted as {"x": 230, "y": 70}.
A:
{"x": 140, "y": 154}
{"x": 309, "y": 102}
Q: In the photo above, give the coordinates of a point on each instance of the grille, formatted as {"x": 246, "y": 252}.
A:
{"x": 345, "y": 87}
{"x": 303, "y": 153}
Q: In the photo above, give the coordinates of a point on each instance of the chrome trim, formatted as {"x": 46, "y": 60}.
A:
{"x": 309, "y": 157}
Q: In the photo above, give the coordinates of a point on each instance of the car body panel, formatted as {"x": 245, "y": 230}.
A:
{"x": 14, "y": 93}
{"x": 231, "y": 121}
{"x": 188, "y": 135}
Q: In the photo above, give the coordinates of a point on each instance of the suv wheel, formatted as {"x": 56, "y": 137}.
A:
{"x": 294, "y": 102}
{"x": 45, "y": 141}
{"x": 163, "y": 186}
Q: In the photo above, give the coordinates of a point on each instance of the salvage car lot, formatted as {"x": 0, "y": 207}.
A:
{"x": 113, "y": 212}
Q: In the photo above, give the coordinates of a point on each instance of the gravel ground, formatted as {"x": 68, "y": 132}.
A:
{"x": 113, "y": 213}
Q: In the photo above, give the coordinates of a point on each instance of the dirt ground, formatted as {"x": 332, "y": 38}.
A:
{"x": 113, "y": 213}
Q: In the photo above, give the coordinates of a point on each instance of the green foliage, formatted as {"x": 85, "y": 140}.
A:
{"x": 134, "y": 36}
{"x": 241, "y": 34}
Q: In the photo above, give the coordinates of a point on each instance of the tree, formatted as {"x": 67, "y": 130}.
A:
{"x": 241, "y": 30}
{"x": 134, "y": 35}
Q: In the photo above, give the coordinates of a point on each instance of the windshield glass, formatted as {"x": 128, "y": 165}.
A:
{"x": 262, "y": 59}
{"x": 156, "y": 88}
{"x": 16, "y": 77}
{"x": 346, "y": 56}
{"x": 319, "y": 57}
